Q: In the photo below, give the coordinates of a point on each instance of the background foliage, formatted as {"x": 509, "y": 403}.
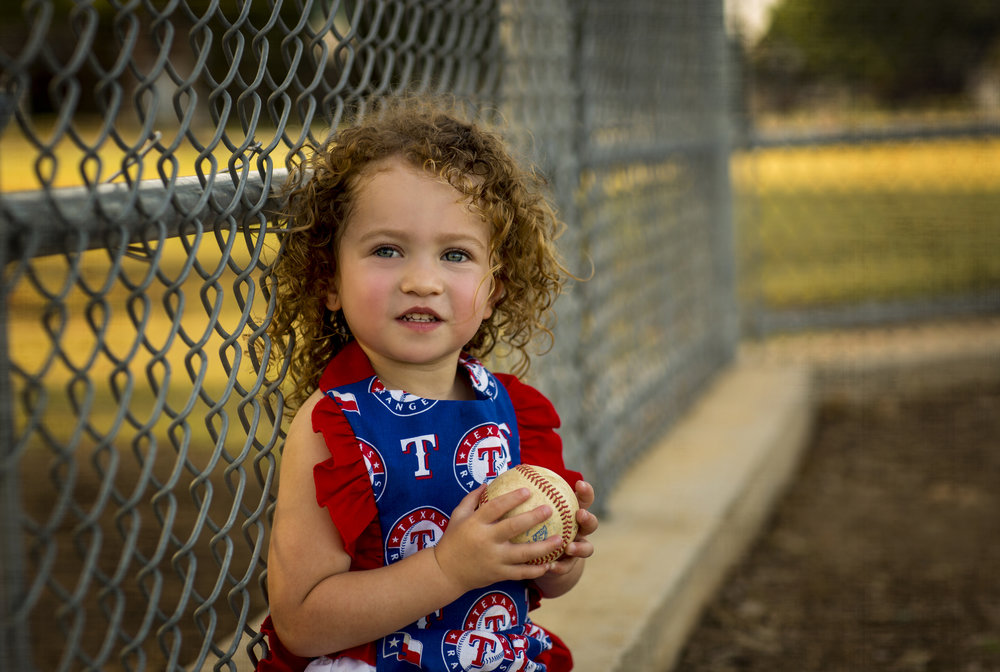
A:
{"x": 897, "y": 52}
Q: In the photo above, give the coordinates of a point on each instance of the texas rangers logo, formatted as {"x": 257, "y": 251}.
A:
{"x": 399, "y": 402}
{"x": 375, "y": 466}
{"x": 482, "y": 455}
{"x": 400, "y": 646}
{"x": 495, "y": 612}
{"x": 477, "y": 650}
{"x": 480, "y": 378}
{"x": 415, "y": 531}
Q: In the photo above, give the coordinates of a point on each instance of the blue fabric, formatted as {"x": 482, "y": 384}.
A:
{"x": 424, "y": 456}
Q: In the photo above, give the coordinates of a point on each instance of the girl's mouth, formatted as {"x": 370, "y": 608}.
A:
{"x": 419, "y": 317}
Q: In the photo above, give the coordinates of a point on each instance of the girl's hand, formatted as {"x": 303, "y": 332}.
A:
{"x": 476, "y": 549}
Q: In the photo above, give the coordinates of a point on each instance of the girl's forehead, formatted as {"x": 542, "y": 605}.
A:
{"x": 397, "y": 167}
{"x": 386, "y": 176}
{"x": 398, "y": 189}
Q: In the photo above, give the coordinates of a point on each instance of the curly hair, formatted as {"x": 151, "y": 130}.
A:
{"x": 476, "y": 162}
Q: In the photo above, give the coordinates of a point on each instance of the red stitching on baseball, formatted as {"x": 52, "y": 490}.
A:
{"x": 562, "y": 507}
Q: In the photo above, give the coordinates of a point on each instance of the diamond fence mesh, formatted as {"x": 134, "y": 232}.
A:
{"x": 660, "y": 312}
{"x": 141, "y": 143}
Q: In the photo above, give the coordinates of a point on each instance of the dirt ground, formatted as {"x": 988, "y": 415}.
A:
{"x": 884, "y": 554}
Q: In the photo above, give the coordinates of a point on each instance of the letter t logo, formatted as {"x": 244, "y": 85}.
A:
{"x": 419, "y": 445}
{"x": 480, "y": 644}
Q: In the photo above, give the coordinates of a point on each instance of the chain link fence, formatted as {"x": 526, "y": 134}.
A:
{"x": 141, "y": 142}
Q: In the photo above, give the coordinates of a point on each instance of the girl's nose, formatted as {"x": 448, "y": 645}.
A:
{"x": 421, "y": 277}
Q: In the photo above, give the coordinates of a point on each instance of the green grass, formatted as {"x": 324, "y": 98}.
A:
{"x": 822, "y": 249}
{"x": 841, "y": 225}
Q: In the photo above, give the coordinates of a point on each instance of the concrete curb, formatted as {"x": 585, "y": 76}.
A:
{"x": 681, "y": 516}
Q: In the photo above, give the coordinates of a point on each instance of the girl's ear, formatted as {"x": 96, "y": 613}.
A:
{"x": 333, "y": 297}
{"x": 495, "y": 297}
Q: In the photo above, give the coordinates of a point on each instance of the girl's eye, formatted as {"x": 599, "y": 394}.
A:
{"x": 385, "y": 251}
{"x": 455, "y": 256}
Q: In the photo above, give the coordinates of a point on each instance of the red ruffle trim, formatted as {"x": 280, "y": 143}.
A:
{"x": 537, "y": 421}
{"x": 344, "y": 489}
{"x": 558, "y": 658}
{"x": 278, "y": 658}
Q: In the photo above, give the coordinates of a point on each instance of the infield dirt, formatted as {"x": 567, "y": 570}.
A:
{"x": 883, "y": 555}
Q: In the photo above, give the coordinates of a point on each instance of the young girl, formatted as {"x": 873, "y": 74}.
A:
{"x": 414, "y": 245}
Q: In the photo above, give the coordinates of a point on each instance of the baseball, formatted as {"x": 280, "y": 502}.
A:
{"x": 547, "y": 487}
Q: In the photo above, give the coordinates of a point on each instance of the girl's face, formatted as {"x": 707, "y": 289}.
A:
{"x": 413, "y": 271}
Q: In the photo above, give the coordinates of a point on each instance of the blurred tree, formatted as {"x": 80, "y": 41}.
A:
{"x": 898, "y": 51}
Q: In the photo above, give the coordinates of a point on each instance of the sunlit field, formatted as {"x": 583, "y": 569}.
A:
{"x": 950, "y": 165}
{"x": 849, "y": 224}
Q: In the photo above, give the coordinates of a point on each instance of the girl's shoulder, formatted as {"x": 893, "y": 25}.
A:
{"x": 302, "y": 419}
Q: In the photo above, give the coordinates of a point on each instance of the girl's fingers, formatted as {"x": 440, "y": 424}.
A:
{"x": 584, "y": 494}
{"x": 587, "y": 522}
{"x": 494, "y": 509}
{"x": 580, "y": 549}
{"x": 526, "y": 552}
{"x": 522, "y": 522}
{"x": 468, "y": 504}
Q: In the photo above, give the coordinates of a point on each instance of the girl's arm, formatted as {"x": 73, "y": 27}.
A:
{"x": 319, "y": 607}
{"x": 564, "y": 573}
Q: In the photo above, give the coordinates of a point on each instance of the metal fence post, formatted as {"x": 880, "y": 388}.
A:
{"x": 722, "y": 196}
{"x": 14, "y": 654}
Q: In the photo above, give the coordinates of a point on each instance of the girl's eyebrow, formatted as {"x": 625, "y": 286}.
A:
{"x": 450, "y": 238}
{"x": 464, "y": 239}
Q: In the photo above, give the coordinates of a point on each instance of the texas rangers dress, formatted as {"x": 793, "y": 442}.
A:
{"x": 399, "y": 465}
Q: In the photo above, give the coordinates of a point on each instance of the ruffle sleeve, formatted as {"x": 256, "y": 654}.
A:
{"x": 537, "y": 422}
{"x": 344, "y": 489}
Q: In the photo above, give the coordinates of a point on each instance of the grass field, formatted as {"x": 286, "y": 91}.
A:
{"x": 933, "y": 165}
{"x": 837, "y": 225}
